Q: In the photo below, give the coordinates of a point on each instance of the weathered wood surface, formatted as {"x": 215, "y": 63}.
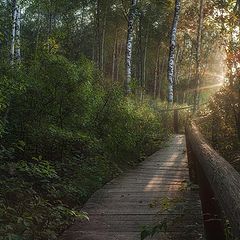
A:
{"x": 223, "y": 179}
{"x": 122, "y": 207}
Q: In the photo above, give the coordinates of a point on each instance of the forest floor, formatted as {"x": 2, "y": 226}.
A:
{"x": 154, "y": 197}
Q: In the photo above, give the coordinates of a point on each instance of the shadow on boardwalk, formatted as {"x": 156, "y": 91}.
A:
{"x": 140, "y": 197}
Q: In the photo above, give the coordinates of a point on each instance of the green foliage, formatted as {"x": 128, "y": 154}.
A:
{"x": 65, "y": 130}
{"x": 41, "y": 170}
{"x": 28, "y": 210}
{"x": 167, "y": 208}
{"x": 34, "y": 218}
{"x": 220, "y": 123}
{"x": 228, "y": 231}
{"x": 151, "y": 231}
{"x": 65, "y": 134}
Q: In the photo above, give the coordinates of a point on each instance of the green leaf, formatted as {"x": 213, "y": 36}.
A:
{"x": 145, "y": 233}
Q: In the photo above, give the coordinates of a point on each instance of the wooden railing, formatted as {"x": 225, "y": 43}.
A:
{"x": 219, "y": 185}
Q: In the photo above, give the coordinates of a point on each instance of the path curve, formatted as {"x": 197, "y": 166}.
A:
{"x": 156, "y": 190}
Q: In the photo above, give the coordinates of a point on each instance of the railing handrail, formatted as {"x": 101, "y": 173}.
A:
{"x": 223, "y": 179}
{"x": 169, "y": 109}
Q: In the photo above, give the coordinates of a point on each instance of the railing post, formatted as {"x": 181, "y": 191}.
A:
{"x": 191, "y": 161}
{"x": 213, "y": 222}
{"x": 175, "y": 123}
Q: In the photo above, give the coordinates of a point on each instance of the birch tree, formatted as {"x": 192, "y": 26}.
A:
{"x": 171, "y": 60}
{"x": 131, "y": 18}
{"x": 198, "y": 57}
{"x": 14, "y": 23}
{"x": 15, "y": 53}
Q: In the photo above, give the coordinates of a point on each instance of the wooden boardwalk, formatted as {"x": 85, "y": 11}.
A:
{"x": 155, "y": 192}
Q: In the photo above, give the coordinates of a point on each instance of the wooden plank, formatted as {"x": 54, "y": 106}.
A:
{"x": 98, "y": 235}
{"x": 139, "y": 218}
{"x": 122, "y": 207}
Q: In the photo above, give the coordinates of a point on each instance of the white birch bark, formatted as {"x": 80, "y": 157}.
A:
{"x": 18, "y": 35}
{"x": 14, "y": 23}
{"x": 198, "y": 57}
{"x": 131, "y": 18}
{"x": 171, "y": 61}
{"x": 15, "y": 51}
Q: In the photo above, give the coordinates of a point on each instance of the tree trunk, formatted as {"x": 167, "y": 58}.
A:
{"x": 171, "y": 61}
{"x": 189, "y": 77}
{"x": 156, "y": 74}
{"x": 161, "y": 74}
{"x": 118, "y": 60}
{"x": 175, "y": 91}
{"x": 144, "y": 73}
{"x": 14, "y": 23}
{"x": 98, "y": 58}
{"x": 38, "y": 31}
{"x": 18, "y": 34}
{"x": 139, "y": 54}
{"x": 101, "y": 19}
{"x": 141, "y": 57}
{"x": 103, "y": 40}
{"x": 131, "y": 18}
{"x": 114, "y": 60}
{"x": 198, "y": 57}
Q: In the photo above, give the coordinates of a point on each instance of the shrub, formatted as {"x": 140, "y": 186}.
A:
{"x": 220, "y": 123}
{"x": 68, "y": 133}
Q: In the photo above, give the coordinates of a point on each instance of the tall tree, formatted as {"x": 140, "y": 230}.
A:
{"x": 131, "y": 18}
{"x": 198, "y": 57}
{"x": 171, "y": 61}
{"x": 102, "y": 8}
{"x": 18, "y": 34}
{"x": 15, "y": 51}
{"x": 14, "y": 24}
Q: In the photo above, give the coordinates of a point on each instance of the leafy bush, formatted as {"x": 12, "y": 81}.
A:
{"x": 220, "y": 123}
{"x": 67, "y": 134}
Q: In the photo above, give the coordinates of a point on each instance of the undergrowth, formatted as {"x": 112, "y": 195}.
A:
{"x": 220, "y": 123}
{"x": 65, "y": 131}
